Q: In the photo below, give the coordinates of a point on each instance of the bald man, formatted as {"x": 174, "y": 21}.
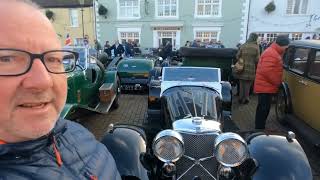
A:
{"x": 34, "y": 142}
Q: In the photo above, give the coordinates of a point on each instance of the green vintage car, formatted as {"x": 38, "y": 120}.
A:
{"x": 298, "y": 100}
{"x": 91, "y": 86}
{"x": 134, "y": 72}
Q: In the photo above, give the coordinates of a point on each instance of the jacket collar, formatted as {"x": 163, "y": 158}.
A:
{"x": 27, "y": 148}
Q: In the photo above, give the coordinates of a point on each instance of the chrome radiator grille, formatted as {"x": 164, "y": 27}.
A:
{"x": 198, "y": 158}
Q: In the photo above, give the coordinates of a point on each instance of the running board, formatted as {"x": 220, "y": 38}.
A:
{"x": 103, "y": 107}
{"x": 307, "y": 132}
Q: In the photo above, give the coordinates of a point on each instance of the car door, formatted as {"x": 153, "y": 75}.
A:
{"x": 302, "y": 91}
{"x": 297, "y": 81}
{"x": 311, "y": 90}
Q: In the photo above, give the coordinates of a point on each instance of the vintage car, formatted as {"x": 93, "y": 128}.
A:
{"x": 134, "y": 72}
{"x": 298, "y": 100}
{"x": 90, "y": 86}
{"x": 185, "y": 136}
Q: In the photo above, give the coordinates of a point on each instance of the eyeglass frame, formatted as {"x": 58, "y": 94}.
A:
{"x": 41, "y": 57}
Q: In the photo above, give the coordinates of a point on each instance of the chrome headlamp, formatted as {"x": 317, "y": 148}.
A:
{"x": 168, "y": 146}
{"x": 231, "y": 149}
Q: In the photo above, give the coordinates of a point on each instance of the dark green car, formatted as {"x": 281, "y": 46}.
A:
{"x": 91, "y": 86}
{"x": 134, "y": 72}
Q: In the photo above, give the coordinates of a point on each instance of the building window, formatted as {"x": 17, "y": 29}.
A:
{"x": 129, "y": 34}
{"x": 297, "y": 6}
{"x": 74, "y": 22}
{"x": 296, "y": 36}
{"x": 271, "y": 37}
{"x": 129, "y": 37}
{"x": 128, "y": 9}
{"x": 207, "y": 34}
{"x": 167, "y": 8}
{"x": 207, "y": 8}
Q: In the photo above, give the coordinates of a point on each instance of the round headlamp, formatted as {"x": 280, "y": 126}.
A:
{"x": 231, "y": 149}
{"x": 168, "y": 146}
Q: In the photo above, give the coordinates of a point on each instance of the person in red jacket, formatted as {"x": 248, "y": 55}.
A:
{"x": 268, "y": 78}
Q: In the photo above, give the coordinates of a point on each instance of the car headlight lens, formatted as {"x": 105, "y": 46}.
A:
{"x": 168, "y": 146}
{"x": 231, "y": 149}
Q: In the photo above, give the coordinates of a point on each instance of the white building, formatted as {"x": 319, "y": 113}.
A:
{"x": 298, "y": 18}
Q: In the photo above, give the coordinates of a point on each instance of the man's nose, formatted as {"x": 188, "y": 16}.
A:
{"x": 38, "y": 77}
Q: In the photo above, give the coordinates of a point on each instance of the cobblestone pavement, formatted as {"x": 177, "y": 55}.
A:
{"x": 132, "y": 110}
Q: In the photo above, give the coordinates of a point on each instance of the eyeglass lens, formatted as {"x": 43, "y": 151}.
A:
{"x": 14, "y": 62}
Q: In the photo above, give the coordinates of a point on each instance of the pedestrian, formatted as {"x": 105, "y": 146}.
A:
{"x": 187, "y": 44}
{"x": 220, "y": 45}
{"x": 268, "y": 78}
{"x": 249, "y": 52}
{"x": 117, "y": 48}
{"x": 107, "y": 48}
{"x": 34, "y": 142}
{"x": 167, "y": 50}
{"x": 97, "y": 45}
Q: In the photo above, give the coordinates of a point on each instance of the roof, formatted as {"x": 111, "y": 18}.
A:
{"x": 309, "y": 43}
{"x": 63, "y": 3}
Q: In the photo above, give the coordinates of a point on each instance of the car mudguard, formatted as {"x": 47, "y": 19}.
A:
{"x": 286, "y": 90}
{"x": 278, "y": 157}
{"x": 110, "y": 77}
{"x": 67, "y": 110}
{"x": 126, "y": 143}
{"x": 226, "y": 96}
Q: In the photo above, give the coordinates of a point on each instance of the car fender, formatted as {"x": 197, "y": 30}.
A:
{"x": 67, "y": 110}
{"x": 286, "y": 90}
{"x": 278, "y": 157}
{"x": 126, "y": 144}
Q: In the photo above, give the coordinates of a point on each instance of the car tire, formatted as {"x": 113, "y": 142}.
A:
{"x": 116, "y": 101}
{"x": 281, "y": 107}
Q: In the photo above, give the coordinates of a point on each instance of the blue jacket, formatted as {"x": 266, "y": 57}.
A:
{"x": 69, "y": 152}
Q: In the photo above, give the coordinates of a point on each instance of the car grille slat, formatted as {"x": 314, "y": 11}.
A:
{"x": 199, "y": 154}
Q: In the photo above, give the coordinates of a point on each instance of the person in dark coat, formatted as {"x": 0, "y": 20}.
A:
{"x": 117, "y": 48}
{"x": 34, "y": 142}
{"x": 268, "y": 78}
{"x": 250, "y": 54}
{"x": 107, "y": 48}
{"x": 167, "y": 50}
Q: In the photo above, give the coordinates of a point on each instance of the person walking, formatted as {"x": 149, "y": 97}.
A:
{"x": 249, "y": 53}
{"x": 268, "y": 78}
{"x": 118, "y": 48}
{"x": 107, "y": 48}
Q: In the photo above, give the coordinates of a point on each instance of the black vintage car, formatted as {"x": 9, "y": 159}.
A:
{"x": 186, "y": 136}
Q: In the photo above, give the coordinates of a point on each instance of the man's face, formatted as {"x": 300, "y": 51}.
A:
{"x": 30, "y": 103}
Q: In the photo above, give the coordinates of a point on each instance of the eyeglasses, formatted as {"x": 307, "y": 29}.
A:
{"x": 15, "y": 62}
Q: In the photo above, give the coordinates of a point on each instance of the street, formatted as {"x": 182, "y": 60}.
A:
{"x": 132, "y": 110}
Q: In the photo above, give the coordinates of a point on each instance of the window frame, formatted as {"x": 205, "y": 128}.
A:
{"x": 128, "y": 30}
{"x": 300, "y": 8}
{"x": 196, "y": 2}
{"x": 166, "y": 17}
{"x": 128, "y": 18}
{"x": 311, "y": 62}
{"x": 207, "y": 29}
{"x": 71, "y": 11}
{"x": 295, "y": 70}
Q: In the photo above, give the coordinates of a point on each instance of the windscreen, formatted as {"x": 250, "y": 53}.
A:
{"x": 82, "y": 55}
{"x": 191, "y": 74}
{"x": 191, "y": 101}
